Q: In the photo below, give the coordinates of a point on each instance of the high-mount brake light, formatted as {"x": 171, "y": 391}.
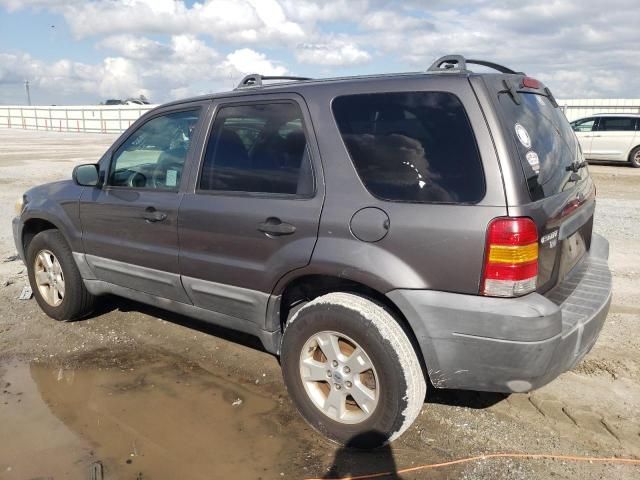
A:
{"x": 511, "y": 257}
{"x": 529, "y": 82}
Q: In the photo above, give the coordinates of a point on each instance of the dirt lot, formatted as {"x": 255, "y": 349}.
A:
{"x": 152, "y": 395}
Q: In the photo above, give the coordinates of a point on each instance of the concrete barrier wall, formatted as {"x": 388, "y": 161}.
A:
{"x": 117, "y": 118}
{"x": 91, "y": 118}
{"x": 579, "y": 108}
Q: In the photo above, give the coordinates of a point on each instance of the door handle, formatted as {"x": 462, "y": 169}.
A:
{"x": 275, "y": 227}
{"x": 152, "y": 215}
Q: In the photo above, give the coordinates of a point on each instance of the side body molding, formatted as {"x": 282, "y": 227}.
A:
{"x": 139, "y": 278}
{"x": 238, "y": 302}
{"x": 227, "y": 306}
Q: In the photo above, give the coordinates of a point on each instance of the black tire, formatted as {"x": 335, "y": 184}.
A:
{"x": 400, "y": 380}
{"x": 77, "y": 301}
{"x": 634, "y": 157}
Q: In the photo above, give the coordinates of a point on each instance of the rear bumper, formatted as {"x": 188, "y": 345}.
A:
{"x": 510, "y": 345}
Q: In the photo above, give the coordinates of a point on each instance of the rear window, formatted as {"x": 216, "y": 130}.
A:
{"x": 412, "y": 146}
{"x": 545, "y": 141}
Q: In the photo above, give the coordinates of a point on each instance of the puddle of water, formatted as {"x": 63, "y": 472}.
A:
{"x": 143, "y": 418}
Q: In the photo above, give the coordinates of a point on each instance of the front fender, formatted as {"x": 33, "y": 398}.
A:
{"x": 58, "y": 204}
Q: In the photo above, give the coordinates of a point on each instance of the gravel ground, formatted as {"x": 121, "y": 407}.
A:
{"x": 61, "y": 380}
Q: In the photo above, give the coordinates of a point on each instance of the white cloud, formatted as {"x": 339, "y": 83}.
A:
{"x": 580, "y": 48}
{"x": 178, "y": 93}
{"x": 191, "y": 50}
{"x": 119, "y": 78}
{"x": 183, "y": 67}
{"x": 13, "y": 5}
{"x": 134, "y": 47}
{"x": 253, "y": 21}
{"x": 391, "y": 20}
{"x": 310, "y": 11}
{"x": 113, "y": 77}
{"x": 576, "y": 46}
{"x": 125, "y": 16}
{"x": 247, "y": 61}
{"x": 275, "y": 22}
{"x": 333, "y": 53}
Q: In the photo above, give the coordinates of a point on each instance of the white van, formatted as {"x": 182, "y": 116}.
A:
{"x": 610, "y": 136}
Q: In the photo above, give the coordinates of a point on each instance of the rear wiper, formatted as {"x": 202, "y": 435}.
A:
{"x": 511, "y": 90}
{"x": 575, "y": 166}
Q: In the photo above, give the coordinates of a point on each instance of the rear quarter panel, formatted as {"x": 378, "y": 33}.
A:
{"x": 428, "y": 246}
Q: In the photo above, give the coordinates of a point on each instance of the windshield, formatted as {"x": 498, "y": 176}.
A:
{"x": 545, "y": 141}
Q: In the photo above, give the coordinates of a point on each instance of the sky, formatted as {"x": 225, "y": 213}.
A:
{"x": 84, "y": 52}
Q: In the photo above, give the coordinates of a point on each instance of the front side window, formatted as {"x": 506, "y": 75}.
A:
{"x": 412, "y": 146}
{"x": 258, "y": 148}
{"x": 584, "y": 125}
{"x": 617, "y": 124}
{"x": 153, "y": 156}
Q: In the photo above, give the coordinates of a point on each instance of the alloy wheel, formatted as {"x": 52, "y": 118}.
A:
{"x": 49, "y": 278}
{"x": 339, "y": 377}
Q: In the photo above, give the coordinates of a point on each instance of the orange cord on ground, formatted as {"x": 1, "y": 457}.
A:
{"x": 530, "y": 456}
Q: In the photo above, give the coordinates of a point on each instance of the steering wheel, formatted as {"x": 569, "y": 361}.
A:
{"x": 137, "y": 180}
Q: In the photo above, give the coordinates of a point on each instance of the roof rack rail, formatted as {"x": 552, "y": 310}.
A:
{"x": 457, "y": 63}
{"x": 255, "y": 80}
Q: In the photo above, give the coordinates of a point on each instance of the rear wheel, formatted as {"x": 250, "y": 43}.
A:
{"x": 634, "y": 157}
{"x": 54, "y": 277}
{"x": 351, "y": 370}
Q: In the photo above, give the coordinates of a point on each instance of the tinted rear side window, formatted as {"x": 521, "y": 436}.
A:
{"x": 412, "y": 147}
{"x": 617, "y": 124}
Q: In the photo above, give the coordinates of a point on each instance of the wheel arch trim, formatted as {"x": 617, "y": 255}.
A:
{"x": 278, "y": 312}
{"x": 47, "y": 221}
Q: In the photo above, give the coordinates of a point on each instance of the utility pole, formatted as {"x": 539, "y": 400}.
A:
{"x": 26, "y": 86}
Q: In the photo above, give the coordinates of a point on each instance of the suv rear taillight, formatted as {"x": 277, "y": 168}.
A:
{"x": 511, "y": 257}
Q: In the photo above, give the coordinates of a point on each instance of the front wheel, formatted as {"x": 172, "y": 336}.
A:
{"x": 634, "y": 157}
{"x": 54, "y": 277}
{"x": 351, "y": 370}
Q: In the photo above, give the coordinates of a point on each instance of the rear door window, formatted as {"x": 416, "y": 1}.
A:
{"x": 258, "y": 148}
{"x": 545, "y": 142}
{"x": 617, "y": 124}
{"x": 412, "y": 146}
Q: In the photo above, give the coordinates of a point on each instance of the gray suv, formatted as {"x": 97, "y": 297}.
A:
{"x": 377, "y": 233}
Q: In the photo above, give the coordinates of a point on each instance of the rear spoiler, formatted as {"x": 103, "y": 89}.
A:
{"x": 458, "y": 64}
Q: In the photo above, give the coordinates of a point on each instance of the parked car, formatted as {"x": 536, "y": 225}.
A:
{"x": 376, "y": 233}
{"x": 136, "y": 101}
{"x": 141, "y": 100}
{"x": 610, "y": 136}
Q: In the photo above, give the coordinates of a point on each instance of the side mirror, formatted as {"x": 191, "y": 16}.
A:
{"x": 86, "y": 175}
